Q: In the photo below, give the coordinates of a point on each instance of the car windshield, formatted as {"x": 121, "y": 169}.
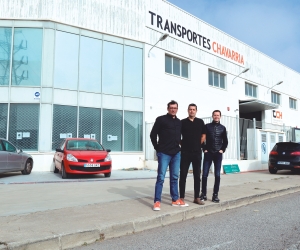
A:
{"x": 84, "y": 145}
{"x": 288, "y": 146}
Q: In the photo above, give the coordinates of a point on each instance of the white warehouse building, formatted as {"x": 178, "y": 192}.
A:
{"x": 77, "y": 68}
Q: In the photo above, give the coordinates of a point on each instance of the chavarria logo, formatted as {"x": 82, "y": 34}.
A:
{"x": 157, "y": 22}
{"x": 180, "y": 31}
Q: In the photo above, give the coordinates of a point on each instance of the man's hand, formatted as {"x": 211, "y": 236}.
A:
{"x": 205, "y": 151}
{"x": 221, "y": 151}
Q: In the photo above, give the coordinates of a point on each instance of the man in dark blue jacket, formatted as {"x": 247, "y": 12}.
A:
{"x": 168, "y": 130}
{"x": 215, "y": 145}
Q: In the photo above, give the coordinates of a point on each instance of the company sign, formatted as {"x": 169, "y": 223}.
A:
{"x": 177, "y": 30}
{"x": 277, "y": 117}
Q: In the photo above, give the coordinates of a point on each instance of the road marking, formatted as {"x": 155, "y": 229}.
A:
{"x": 218, "y": 245}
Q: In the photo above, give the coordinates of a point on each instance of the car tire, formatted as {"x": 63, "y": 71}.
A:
{"x": 28, "y": 167}
{"x": 64, "y": 174}
{"x": 272, "y": 171}
{"x": 107, "y": 175}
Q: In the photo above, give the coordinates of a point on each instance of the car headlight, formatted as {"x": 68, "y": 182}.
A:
{"x": 107, "y": 158}
{"x": 71, "y": 157}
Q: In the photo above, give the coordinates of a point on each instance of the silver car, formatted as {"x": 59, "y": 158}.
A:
{"x": 13, "y": 159}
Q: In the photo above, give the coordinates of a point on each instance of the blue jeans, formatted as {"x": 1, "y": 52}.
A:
{"x": 173, "y": 161}
{"x": 208, "y": 159}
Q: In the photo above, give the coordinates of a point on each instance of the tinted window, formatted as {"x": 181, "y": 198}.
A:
{"x": 1, "y": 147}
{"x": 84, "y": 145}
{"x": 9, "y": 147}
{"x": 287, "y": 146}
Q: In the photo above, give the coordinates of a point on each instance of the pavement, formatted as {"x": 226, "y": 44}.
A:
{"x": 42, "y": 211}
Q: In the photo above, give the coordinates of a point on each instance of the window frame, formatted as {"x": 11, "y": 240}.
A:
{"x": 278, "y": 96}
{"x": 219, "y": 81}
{"x": 180, "y": 67}
{"x": 292, "y": 100}
{"x": 253, "y": 86}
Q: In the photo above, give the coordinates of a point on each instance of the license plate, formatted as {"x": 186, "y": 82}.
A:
{"x": 92, "y": 165}
{"x": 283, "y": 163}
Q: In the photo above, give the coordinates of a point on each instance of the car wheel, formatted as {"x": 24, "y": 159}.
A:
{"x": 28, "y": 167}
{"x": 64, "y": 175}
{"x": 107, "y": 175}
{"x": 272, "y": 171}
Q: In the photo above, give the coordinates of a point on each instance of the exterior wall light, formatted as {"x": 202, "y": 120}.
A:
{"x": 244, "y": 71}
{"x": 163, "y": 37}
{"x": 274, "y": 86}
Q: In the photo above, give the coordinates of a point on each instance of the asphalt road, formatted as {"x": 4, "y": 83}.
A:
{"x": 271, "y": 224}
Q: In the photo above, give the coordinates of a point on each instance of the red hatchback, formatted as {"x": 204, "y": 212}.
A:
{"x": 82, "y": 156}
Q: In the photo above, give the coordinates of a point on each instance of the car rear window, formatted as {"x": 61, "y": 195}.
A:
{"x": 84, "y": 145}
{"x": 287, "y": 146}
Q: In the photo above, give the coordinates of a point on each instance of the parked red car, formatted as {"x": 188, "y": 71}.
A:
{"x": 82, "y": 156}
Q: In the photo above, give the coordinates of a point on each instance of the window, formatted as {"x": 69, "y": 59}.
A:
{"x": 24, "y": 125}
{"x": 5, "y": 48}
{"x": 89, "y": 123}
{"x": 3, "y": 119}
{"x": 27, "y": 57}
{"x": 112, "y": 71}
{"x": 133, "y": 131}
{"x": 176, "y": 66}
{"x": 293, "y": 103}
{"x": 66, "y": 60}
{"x": 64, "y": 124}
{"x": 90, "y": 64}
{"x": 275, "y": 97}
{"x": 216, "y": 79}
{"x": 133, "y": 71}
{"x": 8, "y": 147}
{"x": 112, "y": 129}
{"x": 250, "y": 90}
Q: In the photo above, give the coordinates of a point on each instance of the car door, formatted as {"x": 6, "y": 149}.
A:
{"x": 3, "y": 158}
{"x": 14, "y": 158}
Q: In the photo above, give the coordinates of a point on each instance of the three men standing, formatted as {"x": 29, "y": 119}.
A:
{"x": 193, "y": 135}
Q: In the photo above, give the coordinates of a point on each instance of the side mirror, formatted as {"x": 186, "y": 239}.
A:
{"x": 59, "y": 150}
{"x": 108, "y": 150}
{"x": 19, "y": 151}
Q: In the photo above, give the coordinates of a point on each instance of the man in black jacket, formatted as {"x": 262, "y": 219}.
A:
{"x": 168, "y": 129}
{"x": 193, "y": 135}
{"x": 215, "y": 146}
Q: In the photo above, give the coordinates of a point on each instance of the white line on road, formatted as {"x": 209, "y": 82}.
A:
{"x": 217, "y": 246}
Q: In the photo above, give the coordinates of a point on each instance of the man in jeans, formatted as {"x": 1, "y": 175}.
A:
{"x": 215, "y": 146}
{"x": 193, "y": 135}
{"x": 168, "y": 129}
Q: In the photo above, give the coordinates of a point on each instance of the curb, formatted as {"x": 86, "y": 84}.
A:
{"x": 80, "y": 238}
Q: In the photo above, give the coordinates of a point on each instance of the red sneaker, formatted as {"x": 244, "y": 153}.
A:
{"x": 179, "y": 203}
{"x": 156, "y": 206}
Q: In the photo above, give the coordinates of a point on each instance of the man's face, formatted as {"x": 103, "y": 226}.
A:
{"x": 216, "y": 116}
{"x": 192, "y": 111}
{"x": 172, "y": 109}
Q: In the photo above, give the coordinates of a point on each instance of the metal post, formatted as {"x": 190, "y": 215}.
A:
{"x": 255, "y": 137}
{"x": 238, "y": 137}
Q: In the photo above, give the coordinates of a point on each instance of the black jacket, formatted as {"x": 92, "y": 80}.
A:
{"x": 168, "y": 130}
{"x": 216, "y": 137}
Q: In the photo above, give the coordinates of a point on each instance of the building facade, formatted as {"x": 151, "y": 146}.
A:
{"x": 85, "y": 69}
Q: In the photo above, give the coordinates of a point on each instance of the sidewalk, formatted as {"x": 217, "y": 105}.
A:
{"x": 47, "y": 214}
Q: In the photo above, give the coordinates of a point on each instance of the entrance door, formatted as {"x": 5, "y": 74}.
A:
{"x": 272, "y": 140}
{"x": 264, "y": 148}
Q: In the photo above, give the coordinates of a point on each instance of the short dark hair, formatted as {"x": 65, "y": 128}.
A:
{"x": 192, "y": 105}
{"x": 216, "y": 111}
{"x": 172, "y": 102}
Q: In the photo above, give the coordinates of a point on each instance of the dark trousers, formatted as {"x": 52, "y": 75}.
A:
{"x": 186, "y": 159}
{"x": 216, "y": 158}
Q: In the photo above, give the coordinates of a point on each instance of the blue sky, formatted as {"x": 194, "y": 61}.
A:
{"x": 270, "y": 26}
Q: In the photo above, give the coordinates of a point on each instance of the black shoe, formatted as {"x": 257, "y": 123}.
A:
{"x": 203, "y": 197}
{"x": 215, "y": 198}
